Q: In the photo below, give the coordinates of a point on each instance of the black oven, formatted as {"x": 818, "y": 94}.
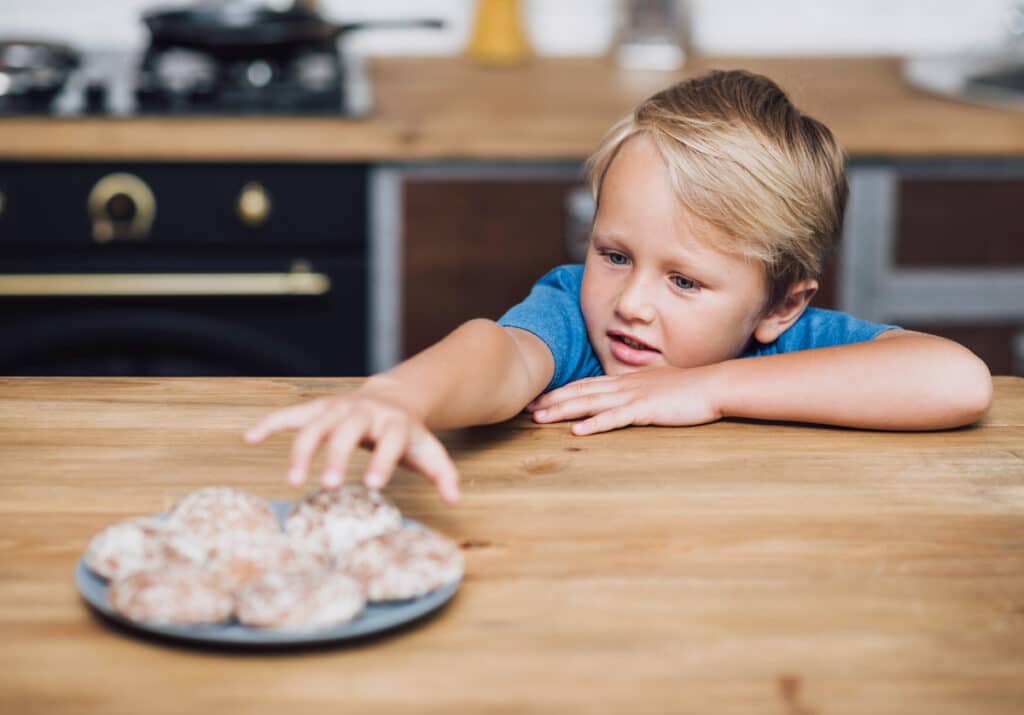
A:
{"x": 183, "y": 269}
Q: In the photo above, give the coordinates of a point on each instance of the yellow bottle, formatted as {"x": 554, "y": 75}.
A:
{"x": 498, "y": 36}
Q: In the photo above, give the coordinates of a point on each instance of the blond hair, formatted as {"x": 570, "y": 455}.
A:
{"x": 745, "y": 160}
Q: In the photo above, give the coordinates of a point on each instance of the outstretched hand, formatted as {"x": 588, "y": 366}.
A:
{"x": 343, "y": 422}
{"x": 667, "y": 396}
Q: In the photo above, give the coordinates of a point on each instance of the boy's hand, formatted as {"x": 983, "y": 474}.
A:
{"x": 666, "y": 396}
{"x": 346, "y": 421}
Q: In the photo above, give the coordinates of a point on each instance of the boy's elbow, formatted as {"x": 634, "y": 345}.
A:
{"x": 974, "y": 391}
{"x": 982, "y": 399}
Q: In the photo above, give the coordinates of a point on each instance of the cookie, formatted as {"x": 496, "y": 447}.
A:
{"x": 184, "y": 595}
{"x": 404, "y": 564}
{"x": 139, "y": 544}
{"x": 300, "y": 598}
{"x": 212, "y": 512}
{"x": 239, "y": 560}
{"x": 335, "y": 520}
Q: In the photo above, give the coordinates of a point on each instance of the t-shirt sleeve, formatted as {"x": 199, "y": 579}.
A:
{"x": 819, "y": 328}
{"x": 552, "y": 312}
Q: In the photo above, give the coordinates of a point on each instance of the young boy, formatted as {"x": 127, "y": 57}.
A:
{"x": 717, "y": 201}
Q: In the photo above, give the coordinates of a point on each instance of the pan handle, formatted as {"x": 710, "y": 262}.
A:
{"x": 427, "y": 23}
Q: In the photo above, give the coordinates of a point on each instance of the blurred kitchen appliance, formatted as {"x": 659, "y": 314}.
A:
{"x": 32, "y": 72}
{"x": 652, "y": 34}
{"x": 179, "y": 269}
{"x": 994, "y": 77}
{"x": 215, "y": 58}
{"x": 240, "y": 56}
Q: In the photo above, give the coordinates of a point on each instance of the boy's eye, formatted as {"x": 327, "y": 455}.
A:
{"x": 684, "y": 283}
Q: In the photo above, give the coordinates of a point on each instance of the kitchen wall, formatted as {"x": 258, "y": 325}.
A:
{"x": 580, "y": 27}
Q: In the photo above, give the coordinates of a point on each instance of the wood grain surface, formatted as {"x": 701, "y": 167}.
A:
{"x": 433, "y": 108}
{"x": 737, "y": 567}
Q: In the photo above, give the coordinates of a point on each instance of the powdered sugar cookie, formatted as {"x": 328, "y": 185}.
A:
{"x": 187, "y": 595}
{"x": 404, "y": 564}
{"x": 300, "y": 598}
{"x": 335, "y": 520}
{"x": 238, "y": 560}
{"x": 139, "y": 544}
{"x": 211, "y": 512}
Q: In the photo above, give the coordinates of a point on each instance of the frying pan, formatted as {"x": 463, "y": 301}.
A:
{"x": 241, "y": 28}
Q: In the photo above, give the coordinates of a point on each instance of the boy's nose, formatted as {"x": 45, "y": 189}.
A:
{"x": 635, "y": 303}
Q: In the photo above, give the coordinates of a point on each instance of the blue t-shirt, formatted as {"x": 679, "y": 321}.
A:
{"x": 552, "y": 313}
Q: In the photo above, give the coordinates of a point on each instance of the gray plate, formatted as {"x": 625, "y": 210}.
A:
{"x": 377, "y": 617}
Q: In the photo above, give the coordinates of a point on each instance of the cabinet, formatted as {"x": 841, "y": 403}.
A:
{"x": 455, "y": 241}
{"x": 977, "y": 224}
{"x": 474, "y": 249}
{"x": 938, "y": 246}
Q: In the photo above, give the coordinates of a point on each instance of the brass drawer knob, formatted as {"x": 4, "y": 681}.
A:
{"x": 254, "y": 205}
{"x": 121, "y": 206}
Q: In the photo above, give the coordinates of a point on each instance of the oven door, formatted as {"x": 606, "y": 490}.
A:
{"x": 183, "y": 270}
{"x": 268, "y": 318}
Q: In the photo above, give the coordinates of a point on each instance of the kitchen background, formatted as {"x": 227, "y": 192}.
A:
{"x": 586, "y": 27}
{"x": 265, "y": 257}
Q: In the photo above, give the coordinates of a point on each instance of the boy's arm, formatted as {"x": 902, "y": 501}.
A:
{"x": 901, "y": 380}
{"x": 479, "y": 374}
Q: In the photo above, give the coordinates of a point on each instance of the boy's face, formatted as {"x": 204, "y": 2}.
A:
{"x": 651, "y": 277}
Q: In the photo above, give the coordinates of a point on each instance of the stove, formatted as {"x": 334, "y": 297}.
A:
{"x": 167, "y": 80}
{"x": 183, "y": 268}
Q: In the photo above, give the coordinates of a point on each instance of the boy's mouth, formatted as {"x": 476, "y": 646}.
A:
{"x": 628, "y": 350}
{"x": 629, "y": 340}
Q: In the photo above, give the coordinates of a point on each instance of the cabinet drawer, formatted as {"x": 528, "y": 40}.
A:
{"x": 59, "y": 203}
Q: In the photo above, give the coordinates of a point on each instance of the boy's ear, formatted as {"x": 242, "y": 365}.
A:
{"x": 779, "y": 318}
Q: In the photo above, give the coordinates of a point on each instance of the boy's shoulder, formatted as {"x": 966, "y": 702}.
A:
{"x": 566, "y": 277}
{"x": 821, "y": 328}
{"x": 552, "y": 312}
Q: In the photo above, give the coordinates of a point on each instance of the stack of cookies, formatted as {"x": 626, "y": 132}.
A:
{"x": 222, "y": 554}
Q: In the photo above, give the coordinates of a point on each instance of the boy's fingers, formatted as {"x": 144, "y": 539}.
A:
{"x": 427, "y": 455}
{"x": 604, "y": 421}
{"x": 343, "y": 440}
{"x": 580, "y": 406}
{"x": 573, "y": 391}
{"x": 288, "y": 418}
{"x": 391, "y": 445}
{"x": 305, "y": 445}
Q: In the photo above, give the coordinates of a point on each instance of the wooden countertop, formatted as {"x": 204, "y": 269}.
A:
{"x": 734, "y": 567}
{"x": 550, "y": 109}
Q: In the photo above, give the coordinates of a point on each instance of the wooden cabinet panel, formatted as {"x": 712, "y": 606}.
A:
{"x": 961, "y": 223}
{"x": 473, "y": 249}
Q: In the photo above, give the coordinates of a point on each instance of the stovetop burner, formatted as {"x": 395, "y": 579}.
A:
{"x": 168, "y": 80}
{"x": 306, "y": 80}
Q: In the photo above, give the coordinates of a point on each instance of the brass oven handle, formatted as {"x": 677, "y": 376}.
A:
{"x": 132, "y": 193}
{"x": 301, "y": 280}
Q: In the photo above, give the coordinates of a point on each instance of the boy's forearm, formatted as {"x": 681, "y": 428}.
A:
{"x": 905, "y": 382}
{"x": 475, "y": 375}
